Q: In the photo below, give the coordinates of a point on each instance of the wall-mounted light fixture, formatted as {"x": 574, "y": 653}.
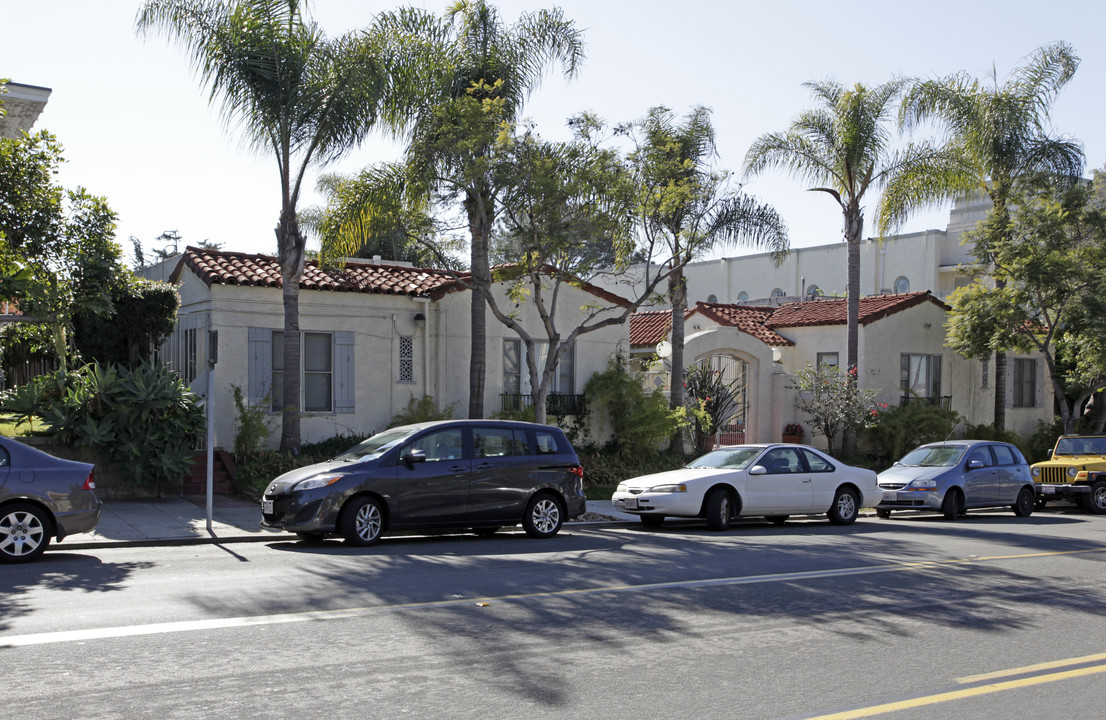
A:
{"x": 420, "y": 318}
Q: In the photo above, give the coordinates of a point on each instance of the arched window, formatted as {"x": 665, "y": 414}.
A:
{"x": 712, "y": 298}
{"x": 814, "y": 291}
{"x": 777, "y": 292}
{"x": 902, "y": 284}
{"x": 742, "y": 296}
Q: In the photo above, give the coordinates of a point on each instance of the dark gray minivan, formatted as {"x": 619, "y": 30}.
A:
{"x": 478, "y": 474}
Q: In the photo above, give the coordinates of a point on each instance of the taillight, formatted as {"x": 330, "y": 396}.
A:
{"x": 90, "y": 481}
{"x": 578, "y": 471}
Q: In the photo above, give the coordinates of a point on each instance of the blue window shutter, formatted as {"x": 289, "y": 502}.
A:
{"x": 260, "y": 364}
{"x": 343, "y": 373}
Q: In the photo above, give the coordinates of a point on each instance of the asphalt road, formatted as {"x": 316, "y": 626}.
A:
{"x": 989, "y": 617}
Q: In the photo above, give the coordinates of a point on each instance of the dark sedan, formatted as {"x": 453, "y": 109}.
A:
{"x": 477, "y": 474}
{"x": 42, "y": 497}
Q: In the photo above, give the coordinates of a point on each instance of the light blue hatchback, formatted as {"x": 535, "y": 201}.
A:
{"x": 955, "y": 476}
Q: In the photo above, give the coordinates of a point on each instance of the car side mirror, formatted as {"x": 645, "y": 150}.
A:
{"x": 975, "y": 464}
{"x": 1049, "y": 454}
{"x": 414, "y": 456}
{"x": 758, "y": 470}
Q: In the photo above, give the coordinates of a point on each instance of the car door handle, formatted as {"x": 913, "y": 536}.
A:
{"x": 484, "y": 466}
{"x": 459, "y": 468}
{"x": 806, "y": 480}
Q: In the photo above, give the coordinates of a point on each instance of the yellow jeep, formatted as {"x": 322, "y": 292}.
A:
{"x": 1075, "y": 471}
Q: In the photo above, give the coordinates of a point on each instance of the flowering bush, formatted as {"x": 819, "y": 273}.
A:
{"x": 793, "y": 429}
{"x": 712, "y": 400}
{"x": 833, "y": 400}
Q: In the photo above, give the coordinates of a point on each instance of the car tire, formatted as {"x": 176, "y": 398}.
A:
{"x": 1023, "y": 506}
{"x": 883, "y": 513}
{"x": 362, "y": 522}
{"x": 310, "y": 538}
{"x": 652, "y": 520}
{"x": 719, "y": 509}
{"x": 845, "y": 507}
{"x": 776, "y": 519}
{"x": 24, "y": 532}
{"x": 544, "y": 516}
{"x": 952, "y": 506}
{"x": 1096, "y": 499}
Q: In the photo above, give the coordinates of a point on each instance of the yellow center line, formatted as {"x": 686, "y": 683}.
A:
{"x": 960, "y": 694}
{"x": 1030, "y": 669}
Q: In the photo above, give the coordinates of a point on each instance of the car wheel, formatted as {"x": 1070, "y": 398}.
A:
{"x": 845, "y": 507}
{"x": 1096, "y": 500}
{"x": 24, "y": 532}
{"x": 652, "y": 520}
{"x": 719, "y": 509}
{"x": 543, "y": 517}
{"x": 952, "y": 506}
{"x": 883, "y": 513}
{"x": 310, "y": 538}
{"x": 362, "y": 522}
{"x": 776, "y": 519}
{"x": 1023, "y": 506}
{"x": 486, "y": 532}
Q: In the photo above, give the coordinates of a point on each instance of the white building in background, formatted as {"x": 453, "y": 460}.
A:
{"x": 22, "y": 105}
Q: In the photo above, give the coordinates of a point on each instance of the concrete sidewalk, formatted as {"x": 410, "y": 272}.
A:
{"x": 180, "y": 521}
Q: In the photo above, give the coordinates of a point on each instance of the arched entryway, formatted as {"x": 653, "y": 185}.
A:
{"x": 735, "y": 373}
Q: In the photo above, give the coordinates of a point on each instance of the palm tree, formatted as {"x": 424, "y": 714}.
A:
{"x": 999, "y": 131}
{"x": 477, "y": 74}
{"x": 844, "y": 148}
{"x": 687, "y": 208}
{"x": 292, "y": 93}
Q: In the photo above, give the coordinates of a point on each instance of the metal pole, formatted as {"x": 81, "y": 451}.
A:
{"x": 210, "y": 443}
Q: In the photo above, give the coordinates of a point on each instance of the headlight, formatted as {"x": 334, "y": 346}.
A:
{"x": 621, "y": 487}
{"x": 316, "y": 482}
{"x": 1035, "y": 471}
{"x": 922, "y": 485}
{"x": 669, "y": 488}
{"x": 1073, "y": 471}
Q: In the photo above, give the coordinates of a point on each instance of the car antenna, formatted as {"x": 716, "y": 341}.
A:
{"x": 958, "y": 424}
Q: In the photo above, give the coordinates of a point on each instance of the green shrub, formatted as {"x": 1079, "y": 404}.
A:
{"x": 144, "y": 418}
{"x": 894, "y": 431}
{"x": 252, "y": 425}
{"x": 422, "y": 410}
{"x": 605, "y": 469}
{"x": 1038, "y": 445}
{"x": 640, "y": 422}
{"x": 254, "y": 471}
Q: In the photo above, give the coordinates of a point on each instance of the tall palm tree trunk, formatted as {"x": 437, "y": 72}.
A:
{"x": 291, "y": 255}
{"x": 477, "y": 206}
{"x": 677, "y": 295}
{"x": 854, "y": 228}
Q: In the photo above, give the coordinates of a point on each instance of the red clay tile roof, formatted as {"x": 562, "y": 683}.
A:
{"x": 748, "y": 319}
{"x": 649, "y": 328}
{"x": 833, "y": 311}
{"x": 234, "y": 268}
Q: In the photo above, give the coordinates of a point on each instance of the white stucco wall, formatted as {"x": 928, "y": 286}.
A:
{"x": 440, "y": 348}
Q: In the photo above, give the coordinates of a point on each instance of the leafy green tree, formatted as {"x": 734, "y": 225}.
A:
{"x": 296, "y": 94}
{"x": 1047, "y": 258}
{"x": 1000, "y": 133}
{"x": 685, "y": 207}
{"x": 844, "y": 148}
{"x": 477, "y": 73}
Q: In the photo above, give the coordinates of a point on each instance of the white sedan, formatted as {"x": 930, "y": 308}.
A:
{"x": 772, "y": 481}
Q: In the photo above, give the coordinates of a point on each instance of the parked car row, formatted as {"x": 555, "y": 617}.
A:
{"x": 486, "y": 474}
{"x": 776, "y": 481}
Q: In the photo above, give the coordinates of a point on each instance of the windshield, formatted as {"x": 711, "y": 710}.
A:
{"x": 735, "y": 458}
{"x": 1081, "y": 446}
{"x": 934, "y": 456}
{"x": 375, "y": 446}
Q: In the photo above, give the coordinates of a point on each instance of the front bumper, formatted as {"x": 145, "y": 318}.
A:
{"x": 1046, "y": 491}
{"x": 909, "y": 500}
{"x": 299, "y": 512}
{"x": 647, "y": 503}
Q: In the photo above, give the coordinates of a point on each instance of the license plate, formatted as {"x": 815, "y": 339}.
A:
{"x": 267, "y": 507}
{"x": 630, "y": 503}
{"x": 890, "y": 496}
{"x": 1046, "y": 490}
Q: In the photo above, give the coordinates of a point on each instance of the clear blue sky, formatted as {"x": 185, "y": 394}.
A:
{"x": 138, "y": 129}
